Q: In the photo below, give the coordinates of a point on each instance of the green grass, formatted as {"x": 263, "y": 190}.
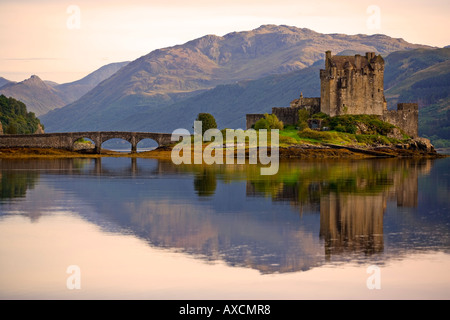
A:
{"x": 291, "y": 136}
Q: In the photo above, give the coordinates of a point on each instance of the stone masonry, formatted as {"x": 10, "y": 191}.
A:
{"x": 350, "y": 85}
{"x": 67, "y": 140}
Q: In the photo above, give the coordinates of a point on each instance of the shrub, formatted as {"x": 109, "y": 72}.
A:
{"x": 302, "y": 125}
{"x": 287, "y": 140}
{"x": 320, "y": 115}
{"x": 303, "y": 116}
{"x": 313, "y": 134}
{"x": 270, "y": 121}
{"x": 273, "y": 121}
{"x": 339, "y": 128}
{"x": 347, "y": 123}
{"x": 261, "y": 124}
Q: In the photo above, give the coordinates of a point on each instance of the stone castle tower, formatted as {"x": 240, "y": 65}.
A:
{"x": 352, "y": 85}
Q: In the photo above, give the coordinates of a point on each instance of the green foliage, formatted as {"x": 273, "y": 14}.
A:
{"x": 82, "y": 140}
{"x": 320, "y": 115}
{"x": 11, "y": 128}
{"x": 369, "y": 139}
{"x": 303, "y": 116}
{"x": 14, "y": 184}
{"x": 344, "y": 138}
{"x": 273, "y": 121}
{"x": 302, "y": 125}
{"x": 208, "y": 121}
{"x": 14, "y": 117}
{"x": 325, "y": 136}
{"x": 262, "y": 124}
{"x": 434, "y": 124}
{"x": 441, "y": 143}
{"x": 348, "y": 124}
{"x": 287, "y": 140}
{"x": 205, "y": 183}
{"x": 270, "y": 121}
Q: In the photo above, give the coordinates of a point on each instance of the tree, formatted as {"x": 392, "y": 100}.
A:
{"x": 262, "y": 124}
{"x": 208, "y": 121}
{"x": 270, "y": 121}
{"x": 303, "y": 116}
{"x": 11, "y": 129}
{"x": 15, "y": 118}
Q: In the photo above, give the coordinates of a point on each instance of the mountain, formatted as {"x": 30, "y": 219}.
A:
{"x": 41, "y": 96}
{"x": 418, "y": 75}
{"x": 410, "y": 76}
{"x": 72, "y": 91}
{"x": 230, "y": 103}
{"x": 35, "y": 93}
{"x": 4, "y": 81}
{"x": 167, "y": 76}
{"x": 423, "y": 76}
{"x": 52, "y": 84}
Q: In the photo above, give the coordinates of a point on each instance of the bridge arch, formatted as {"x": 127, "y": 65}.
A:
{"x": 92, "y": 136}
{"x": 83, "y": 143}
{"x": 146, "y": 144}
{"x": 120, "y": 144}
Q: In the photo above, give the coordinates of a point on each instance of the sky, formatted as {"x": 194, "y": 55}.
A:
{"x": 63, "y": 41}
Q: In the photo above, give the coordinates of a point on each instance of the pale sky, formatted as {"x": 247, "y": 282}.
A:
{"x": 63, "y": 41}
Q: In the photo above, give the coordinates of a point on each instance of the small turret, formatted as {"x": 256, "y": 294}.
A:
{"x": 327, "y": 59}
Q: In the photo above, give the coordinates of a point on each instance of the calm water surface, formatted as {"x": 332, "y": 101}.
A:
{"x": 147, "y": 229}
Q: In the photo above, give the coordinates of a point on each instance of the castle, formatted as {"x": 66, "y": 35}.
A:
{"x": 350, "y": 85}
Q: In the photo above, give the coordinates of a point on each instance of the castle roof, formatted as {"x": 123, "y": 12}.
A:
{"x": 344, "y": 62}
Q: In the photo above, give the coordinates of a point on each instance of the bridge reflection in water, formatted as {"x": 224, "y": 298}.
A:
{"x": 309, "y": 213}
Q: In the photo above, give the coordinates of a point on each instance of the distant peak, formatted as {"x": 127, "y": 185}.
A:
{"x": 281, "y": 28}
{"x": 33, "y": 78}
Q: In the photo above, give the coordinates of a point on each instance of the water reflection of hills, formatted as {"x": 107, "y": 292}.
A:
{"x": 307, "y": 214}
{"x": 351, "y": 198}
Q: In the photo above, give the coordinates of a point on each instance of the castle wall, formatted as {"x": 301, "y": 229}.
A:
{"x": 289, "y": 116}
{"x": 353, "y": 85}
{"x": 406, "y": 117}
{"x": 350, "y": 85}
{"x": 311, "y": 104}
{"x": 327, "y": 93}
{"x": 251, "y": 119}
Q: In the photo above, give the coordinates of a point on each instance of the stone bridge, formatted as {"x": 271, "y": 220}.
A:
{"x": 67, "y": 140}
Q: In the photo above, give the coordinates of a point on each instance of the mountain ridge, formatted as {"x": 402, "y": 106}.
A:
{"x": 38, "y": 96}
{"x": 165, "y": 76}
{"x": 42, "y": 96}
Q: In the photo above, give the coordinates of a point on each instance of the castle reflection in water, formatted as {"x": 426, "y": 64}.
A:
{"x": 309, "y": 213}
{"x": 352, "y": 206}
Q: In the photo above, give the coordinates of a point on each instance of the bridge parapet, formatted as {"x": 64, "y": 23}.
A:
{"x": 66, "y": 140}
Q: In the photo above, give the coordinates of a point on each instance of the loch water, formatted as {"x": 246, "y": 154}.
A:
{"x": 135, "y": 228}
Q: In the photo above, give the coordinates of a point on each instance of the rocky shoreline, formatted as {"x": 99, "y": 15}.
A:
{"x": 414, "y": 149}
